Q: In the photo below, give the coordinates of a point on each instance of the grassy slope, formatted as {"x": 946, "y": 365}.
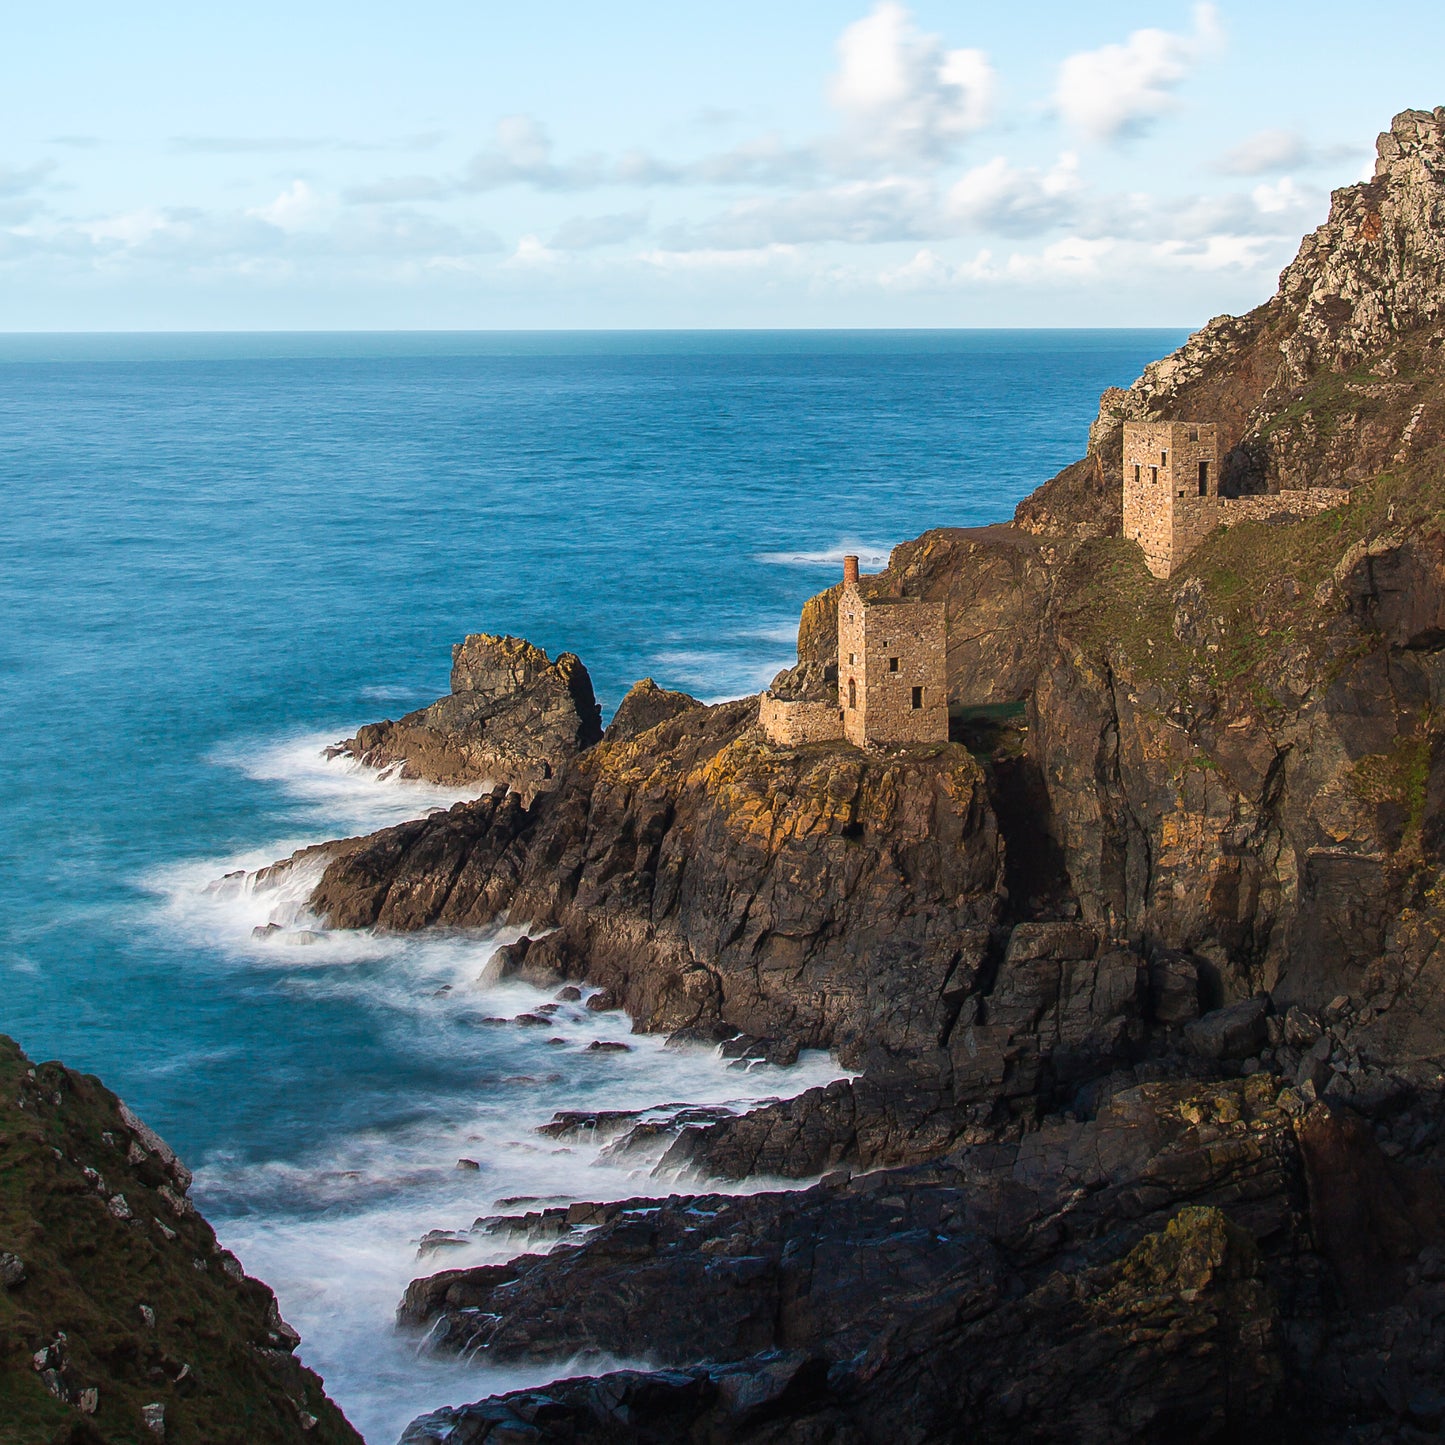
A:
{"x": 211, "y": 1358}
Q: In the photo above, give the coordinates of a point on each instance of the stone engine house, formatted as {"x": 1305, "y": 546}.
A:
{"x": 1171, "y": 492}
{"x": 892, "y": 676}
{"x": 1171, "y": 480}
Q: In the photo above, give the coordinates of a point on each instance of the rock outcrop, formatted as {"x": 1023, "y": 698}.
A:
{"x": 121, "y": 1316}
{"x": 705, "y": 877}
{"x": 1160, "y": 1272}
{"x": 513, "y": 717}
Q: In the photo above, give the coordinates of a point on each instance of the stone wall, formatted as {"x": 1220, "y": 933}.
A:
{"x": 791, "y": 724}
{"x": 906, "y": 672}
{"x": 852, "y": 652}
{"x": 1298, "y": 502}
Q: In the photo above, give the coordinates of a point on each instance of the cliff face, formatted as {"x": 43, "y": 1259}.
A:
{"x": 1244, "y": 762}
{"x": 121, "y": 1317}
{"x": 1148, "y": 989}
{"x": 819, "y": 895}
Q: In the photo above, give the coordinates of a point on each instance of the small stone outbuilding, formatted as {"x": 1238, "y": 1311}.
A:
{"x": 892, "y": 676}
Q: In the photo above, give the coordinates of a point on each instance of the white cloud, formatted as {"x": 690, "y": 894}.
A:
{"x": 1268, "y": 152}
{"x": 902, "y": 94}
{"x": 1263, "y": 152}
{"x": 856, "y": 212}
{"x": 20, "y": 180}
{"x": 1119, "y": 90}
{"x": 583, "y": 233}
{"x": 1014, "y": 200}
{"x": 298, "y": 208}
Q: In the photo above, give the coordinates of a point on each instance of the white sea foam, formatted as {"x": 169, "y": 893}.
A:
{"x": 872, "y": 556}
{"x": 340, "y": 791}
{"x": 333, "y": 1222}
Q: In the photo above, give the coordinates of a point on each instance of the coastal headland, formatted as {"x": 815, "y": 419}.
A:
{"x": 1141, "y": 974}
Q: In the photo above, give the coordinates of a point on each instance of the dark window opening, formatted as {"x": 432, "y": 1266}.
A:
{"x": 1194, "y": 433}
{"x": 917, "y": 697}
{"x": 892, "y": 664}
{"x": 1203, "y": 479}
{"x": 852, "y": 693}
{"x": 1163, "y": 459}
{"x": 1137, "y": 470}
{"x": 1154, "y": 476}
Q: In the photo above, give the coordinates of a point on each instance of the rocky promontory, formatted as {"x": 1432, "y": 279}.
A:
{"x": 513, "y": 717}
{"x": 122, "y": 1319}
{"x": 1142, "y": 971}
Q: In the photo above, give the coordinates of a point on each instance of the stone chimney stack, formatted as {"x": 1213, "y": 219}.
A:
{"x": 850, "y": 571}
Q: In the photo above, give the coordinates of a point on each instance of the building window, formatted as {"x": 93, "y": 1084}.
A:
{"x": 917, "y": 697}
{"x": 1154, "y": 476}
{"x": 852, "y": 659}
{"x": 1203, "y": 479}
{"x": 1137, "y": 472}
{"x": 892, "y": 664}
{"x": 1194, "y": 433}
{"x": 1163, "y": 459}
{"x": 852, "y": 693}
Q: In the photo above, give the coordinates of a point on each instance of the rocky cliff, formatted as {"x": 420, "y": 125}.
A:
{"x": 513, "y": 717}
{"x": 122, "y": 1319}
{"x": 1143, "y": 971}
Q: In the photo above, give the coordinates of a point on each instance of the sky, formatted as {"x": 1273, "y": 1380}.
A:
{"x": 473, "y": 164}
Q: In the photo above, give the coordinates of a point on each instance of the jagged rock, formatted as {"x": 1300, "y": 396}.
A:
{"x": 644, "y": 707}
{"x": 866, "y": 882}
{"x": 513, "y": 717}
{"x": 1234, "y": 1032}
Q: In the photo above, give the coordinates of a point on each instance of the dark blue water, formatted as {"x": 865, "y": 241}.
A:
{"x": 217, "y": 553}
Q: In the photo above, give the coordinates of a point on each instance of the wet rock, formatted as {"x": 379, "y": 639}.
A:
{"x": 607, "y": 1046}
{"x": 12, "y": 1271}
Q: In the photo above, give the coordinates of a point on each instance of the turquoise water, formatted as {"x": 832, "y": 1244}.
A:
{"x": 218, "y": 553}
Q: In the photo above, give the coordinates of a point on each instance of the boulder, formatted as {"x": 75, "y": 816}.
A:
{"x": 1233, "y": 1032}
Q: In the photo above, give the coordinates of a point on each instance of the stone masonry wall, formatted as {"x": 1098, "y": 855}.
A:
{"x": 905, "y": 655}
{"x": 852, "y": 681}
{"x": 1298, "y": 502}
{"x": 1163, "y": 509}
{"x": 791, "y": 724}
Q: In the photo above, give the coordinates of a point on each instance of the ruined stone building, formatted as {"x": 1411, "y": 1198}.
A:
{"x": 1171, "y": 492}
{"x": 892, "y": 676}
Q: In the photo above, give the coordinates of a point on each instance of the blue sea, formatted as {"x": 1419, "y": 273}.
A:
{"x": 219, "y": 553}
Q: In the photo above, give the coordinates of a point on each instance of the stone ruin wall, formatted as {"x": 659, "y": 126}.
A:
{"x": 1297, "y": 502}
{"x": 1163, "y": 511}
{"x": 915, "y": 634}
{"x": 791, "y": 724}
{"x": 852, "y": 654}
{"x": 1148, "y": 519}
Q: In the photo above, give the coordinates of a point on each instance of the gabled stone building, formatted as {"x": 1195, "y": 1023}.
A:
{"x": 892, "y": 676}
